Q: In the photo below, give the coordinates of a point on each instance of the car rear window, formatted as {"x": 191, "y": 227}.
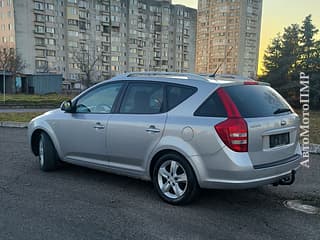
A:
{"x": 212, "y": 107}
{"x": 176, "y": 94}
{"x": 256, "y": 100}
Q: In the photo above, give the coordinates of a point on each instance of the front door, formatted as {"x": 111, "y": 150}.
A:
{"x": 82, "y": 134}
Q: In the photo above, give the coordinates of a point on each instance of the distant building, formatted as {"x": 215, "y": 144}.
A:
{"x": 121, "y": 35}
{"x": 228, "y": 33}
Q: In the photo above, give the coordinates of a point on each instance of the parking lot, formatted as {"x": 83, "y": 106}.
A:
{"x": 79, "y": 203}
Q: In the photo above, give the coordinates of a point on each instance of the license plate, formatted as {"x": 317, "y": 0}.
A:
{"x": 279, "y": 139}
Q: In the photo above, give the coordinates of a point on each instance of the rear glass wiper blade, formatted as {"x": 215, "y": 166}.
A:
{"x": 281, "y": 110}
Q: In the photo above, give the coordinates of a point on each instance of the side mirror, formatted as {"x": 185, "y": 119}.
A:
{"x": 66, "y": 106}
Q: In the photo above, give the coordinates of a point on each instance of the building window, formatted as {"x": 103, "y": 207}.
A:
{"x": 82, "y": 14}
{"x": 50, "y": 30}
{"x": 73, "y": 10}
{"x": 40, "y": 53}
{"x": 41, "y": 64}
{"x": 51, "y": 53}
{"x": 38, "y": 5}
{"x": 39, "y": 41}
{"x": 73, "y": 22}
{"x": 49, "y": 18}
{"x": 49, "y": 6}
{"x": 39, "y": 29}
{"x": 39, "y": 18}
{"x": 50, "y": 41}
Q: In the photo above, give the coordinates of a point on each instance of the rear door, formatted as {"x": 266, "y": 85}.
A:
{"x": 273, "y": 128}
{"x": 135, "y": 130}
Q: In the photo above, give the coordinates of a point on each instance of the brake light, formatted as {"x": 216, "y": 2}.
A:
{"x": 233, "y": 131}
{"x": 251, "y": 83}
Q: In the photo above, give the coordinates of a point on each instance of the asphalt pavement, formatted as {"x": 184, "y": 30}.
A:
{"x": 79, "y": 203}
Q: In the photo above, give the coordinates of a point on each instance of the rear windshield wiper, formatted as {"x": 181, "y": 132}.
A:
{"x": 281, "y": 110}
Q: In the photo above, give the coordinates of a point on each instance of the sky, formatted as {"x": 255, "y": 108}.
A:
{"x": 276, "y": 15}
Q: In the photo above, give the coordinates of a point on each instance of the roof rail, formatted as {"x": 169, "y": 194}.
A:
{"x": 167, "y": 75}
{"x": 230, "y": 77}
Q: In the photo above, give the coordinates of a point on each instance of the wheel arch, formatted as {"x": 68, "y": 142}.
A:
{"x": 35, "y": 137}
{"x": 163, "y": 152}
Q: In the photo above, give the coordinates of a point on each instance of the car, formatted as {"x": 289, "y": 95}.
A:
{"x": 181, "y": 131}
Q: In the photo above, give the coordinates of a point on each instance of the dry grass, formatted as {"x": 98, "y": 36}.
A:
{"x": 18, "y": 117}
{"x": 314, "y": 125}
{"x": 25, "y": 99}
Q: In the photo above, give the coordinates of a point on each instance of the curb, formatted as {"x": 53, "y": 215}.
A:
{"x": 313, "y": 148}
{"x": 14, "y": 124}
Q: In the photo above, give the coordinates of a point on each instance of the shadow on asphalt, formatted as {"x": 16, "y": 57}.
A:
{"x": 207, "y": 198}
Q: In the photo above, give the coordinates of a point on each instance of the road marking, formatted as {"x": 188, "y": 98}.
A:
{"x": 300, "y": 206}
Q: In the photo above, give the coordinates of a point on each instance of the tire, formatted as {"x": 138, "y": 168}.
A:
{"x": 174, "y": 179}
{"x": 48, "y": 157}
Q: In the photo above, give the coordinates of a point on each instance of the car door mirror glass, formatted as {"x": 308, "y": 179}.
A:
{"x": 66, "y": 106}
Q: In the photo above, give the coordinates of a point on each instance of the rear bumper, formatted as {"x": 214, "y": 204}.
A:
{"x": 235, "y": 171}
{"x": 244, "y": 184}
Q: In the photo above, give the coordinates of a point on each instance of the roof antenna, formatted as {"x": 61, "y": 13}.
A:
{"x": 215, "y": 72}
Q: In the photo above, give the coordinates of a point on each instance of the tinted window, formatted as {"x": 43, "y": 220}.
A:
{"x": 143, "y": 98}
{"x": 212, "y": 107}
{"x": 99, "y": 100}
{"x": 256, "y": 100}
{"x": 177, "y": 94}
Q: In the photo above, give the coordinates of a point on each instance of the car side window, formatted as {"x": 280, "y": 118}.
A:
{"x": 99, "y": 100}
{"x": 177, "y": 94}
{"x": 212, "y": 107}
{"x": 143, "y": 98}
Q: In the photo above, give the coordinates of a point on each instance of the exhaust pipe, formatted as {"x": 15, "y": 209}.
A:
{"x": 288, "y": 180}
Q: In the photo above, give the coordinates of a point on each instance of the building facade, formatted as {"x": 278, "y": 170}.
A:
{"x": 109, "y": 37}
{"x": 228, "y": 36}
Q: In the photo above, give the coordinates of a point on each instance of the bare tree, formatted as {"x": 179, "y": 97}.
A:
{"x": 86, "y": 60}
{"x": 10, "y": 60}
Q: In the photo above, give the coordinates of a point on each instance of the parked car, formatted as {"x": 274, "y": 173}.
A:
{"x": 181, "y": 131}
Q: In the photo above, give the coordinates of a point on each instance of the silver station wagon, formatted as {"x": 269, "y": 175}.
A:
{"x": 181, "y": 131}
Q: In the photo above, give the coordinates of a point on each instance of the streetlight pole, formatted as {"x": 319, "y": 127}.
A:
{"x": 4, "y": 85}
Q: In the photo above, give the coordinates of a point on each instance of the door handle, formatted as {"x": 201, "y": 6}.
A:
{"x": 153, "y": 129}
{"x": 98, "y": 126}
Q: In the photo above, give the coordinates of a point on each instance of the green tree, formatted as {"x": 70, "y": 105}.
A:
{"x": 271, "y": 60}
{"x": 308, "y": 45}
{"x": 290, "y": 51}
{"x": 288, "y": 54}
{"x": 281, "y": 56}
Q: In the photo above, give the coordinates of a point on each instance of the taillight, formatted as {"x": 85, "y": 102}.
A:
{"x": 233, "y": 131}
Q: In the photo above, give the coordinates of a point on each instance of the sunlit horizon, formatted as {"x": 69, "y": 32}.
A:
{"x": 276, "y": 15}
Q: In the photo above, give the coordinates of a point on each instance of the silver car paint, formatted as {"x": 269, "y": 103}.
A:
{"x": 123, "y": 146}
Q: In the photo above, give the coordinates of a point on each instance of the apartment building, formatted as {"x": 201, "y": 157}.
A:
{"x": 7, "y": 35}
{"x": 228, "y": 35}
{"x": 115, "y": 36}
